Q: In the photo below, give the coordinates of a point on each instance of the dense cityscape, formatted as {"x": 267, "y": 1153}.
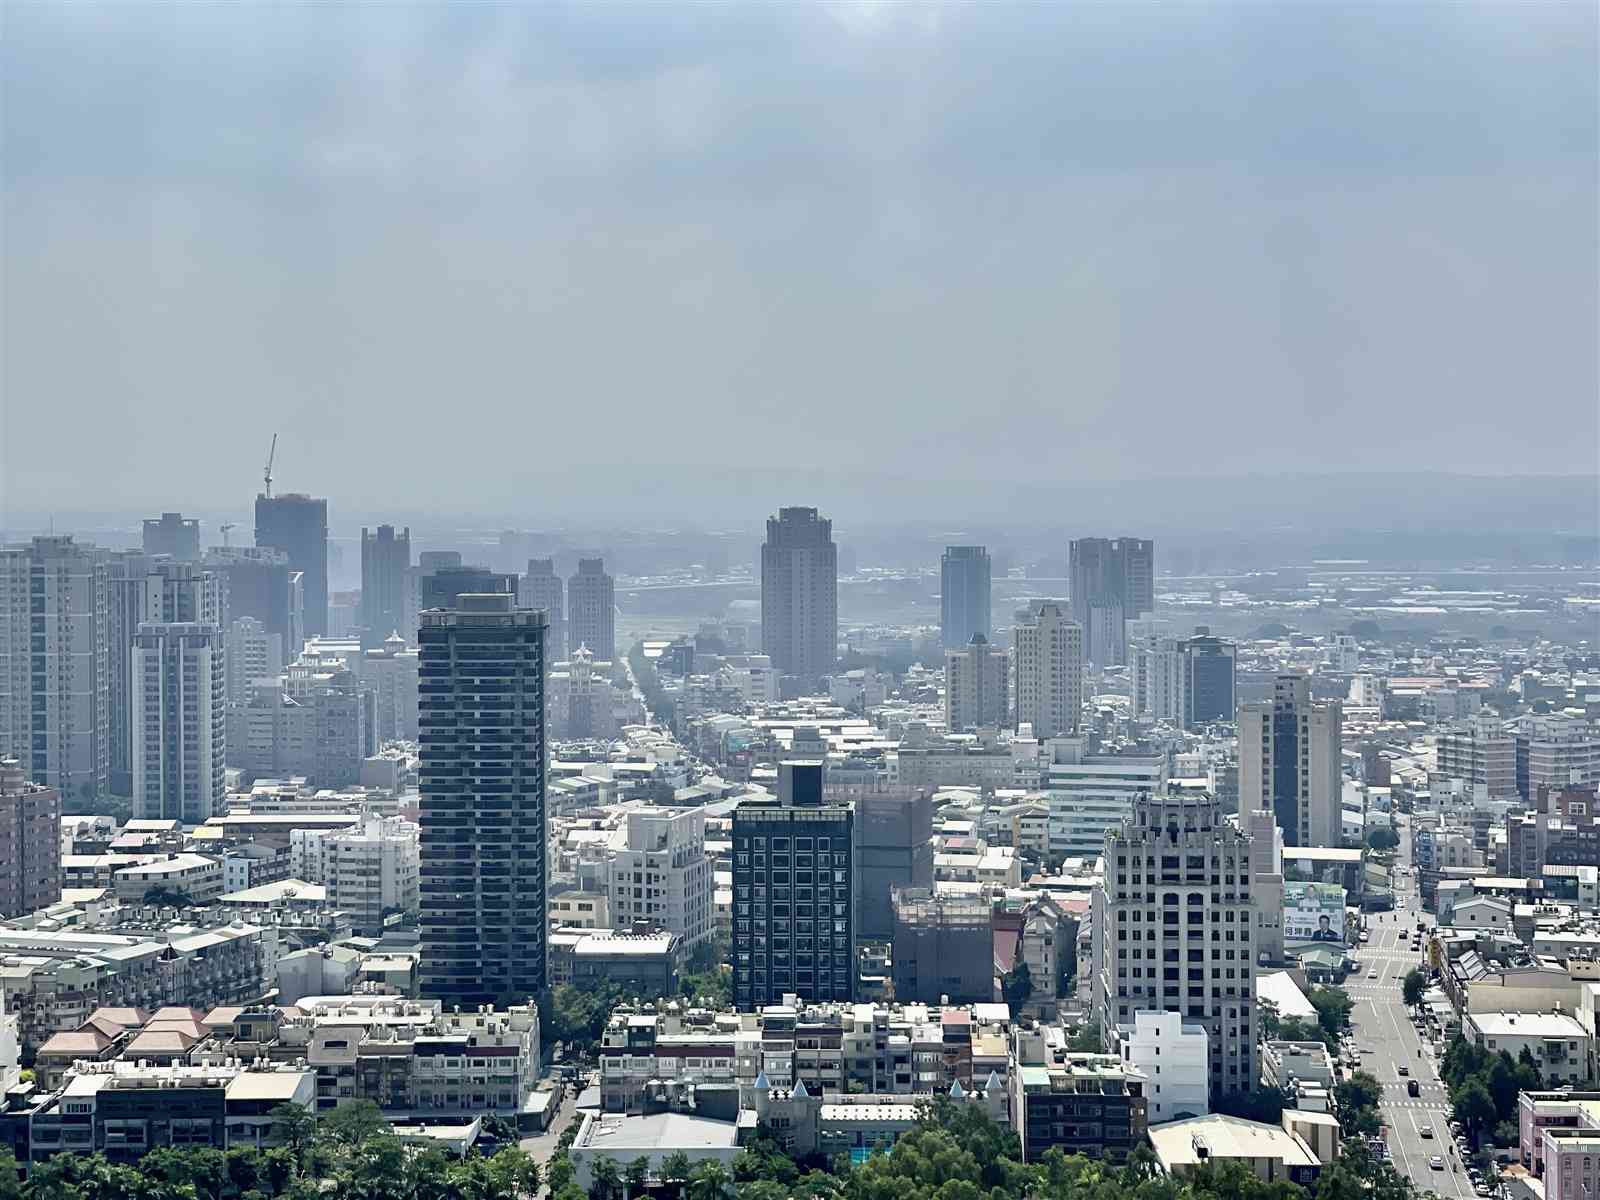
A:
{"x": 500, "y": 862}
{"x": 818, "y": 600}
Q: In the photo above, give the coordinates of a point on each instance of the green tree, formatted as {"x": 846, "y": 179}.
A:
{"x": 1356, "y": 1102}
{"x": 293, "y": 1127}
{"x": 1087, "y": 1039}
{"x": 351, "y": 1126}
{"x": 10, "y": 1175}
{"x": 605, "y": 1177}
{"x": 1333, "y": 1008}
{"x": 1413, "y": 986}
{"x": 710, "y": 1181}
{"x": 675, "y": 1171}
{"x": 1016, "y": 987}
{"x": 636, "y": 1174}
{"x": 1473, "y": 1106}
{"x": 1383, "y": 839}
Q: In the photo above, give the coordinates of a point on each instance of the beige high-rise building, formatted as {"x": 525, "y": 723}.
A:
{"x": 800, "y": 594}
{"x": 1047, "y": 660}
{"x": 977, "y": 686}
{"x": 1174, "y": 927}
{"x": 1289, "y": 762}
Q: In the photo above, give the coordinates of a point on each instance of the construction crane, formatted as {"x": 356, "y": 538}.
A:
{"x": 227, "y": 528}
{"x": 267, "y": 473}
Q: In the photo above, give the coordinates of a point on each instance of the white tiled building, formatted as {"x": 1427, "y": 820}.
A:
{"x": 1173, "y": 1055}
{"x": 660, "y": 874}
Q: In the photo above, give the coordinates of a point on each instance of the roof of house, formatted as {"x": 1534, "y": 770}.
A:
{"x": 1181, "y": 1144}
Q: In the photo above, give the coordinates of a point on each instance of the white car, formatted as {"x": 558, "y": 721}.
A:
{"x": 1436, "y": 1163}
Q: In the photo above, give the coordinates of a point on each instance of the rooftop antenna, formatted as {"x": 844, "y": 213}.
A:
{"x": 227, "y": 527}
{"x": 266, "y": 474}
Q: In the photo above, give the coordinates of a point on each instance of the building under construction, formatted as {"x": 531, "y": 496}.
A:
{"x": 943, "y": 948}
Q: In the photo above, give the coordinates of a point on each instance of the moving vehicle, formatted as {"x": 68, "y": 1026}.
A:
{"x": 1372, "y": 974}
{"x": 1404, "y": 1070}
{"x": 1413, "y": 1088}
{"x": 1427, "y": 1132}
{"x": 1436, "y": 1163}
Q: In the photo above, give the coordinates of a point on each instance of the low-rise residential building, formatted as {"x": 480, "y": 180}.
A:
{"x": 1559, "y": 1044}
{"x": 1272, "y": 1152}
{"x": 196, "y": 876}
{"x": 1173, "y": 1056}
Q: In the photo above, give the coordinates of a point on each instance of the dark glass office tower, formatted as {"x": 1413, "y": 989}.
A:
{"x": 1208, "y": 693}
{"x": 793, "y": 895}
{"x": 963, "y": 595}
{"x": 297, "y": 524}
{"x": 440, "y": 588}
{"x": 480, "y": 713}
{"x": 385, "y": 569}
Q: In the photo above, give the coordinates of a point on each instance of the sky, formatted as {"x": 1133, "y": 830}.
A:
{"x": 467, "y": 258}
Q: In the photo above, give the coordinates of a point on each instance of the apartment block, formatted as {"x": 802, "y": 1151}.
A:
{"x": 1289, "y": 762}
{"x": 977, "y": 686}
{"x": 1047, "y": 661}
{"x": 30, "y": 843}
{"x": 660, "y": 875}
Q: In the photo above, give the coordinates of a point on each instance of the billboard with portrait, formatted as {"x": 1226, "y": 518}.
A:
{"x": 1313, "y": 915}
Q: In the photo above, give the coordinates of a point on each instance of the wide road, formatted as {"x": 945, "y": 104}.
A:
{"x": 1383, "y": 1029}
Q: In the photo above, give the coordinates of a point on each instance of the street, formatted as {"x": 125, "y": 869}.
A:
{"x": 1383, "y": 1029}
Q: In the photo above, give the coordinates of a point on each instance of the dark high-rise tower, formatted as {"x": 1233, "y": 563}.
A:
{"x": 963, "y": 595}
{"x": 592, "y": 609}
{"x": 481, "y": 723}
{"x": 800, "y": 594}
{"x": 541, "y": 588}
{"x": 440, "y": 587}
{"x": 1113, "y": 582}
{"x": 793, "y": 894}
{"x": 1208, "y": 683}
{"x": 297, "y": 524}
{"x": 385, "y": 567}
{"x": 173, "y": 536}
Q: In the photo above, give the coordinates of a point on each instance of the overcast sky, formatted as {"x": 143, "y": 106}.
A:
{"x": 446, "y": 251}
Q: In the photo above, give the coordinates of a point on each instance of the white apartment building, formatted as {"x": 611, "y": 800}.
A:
{"x": 1047, "y": 660}
{"x": 1559, "y": 1043}
{"x": 660, "y": 874}
{"x": 1481, "y": 753}
{"x": 370, "y": 868}
{"x": 1173, "y": 1055}
{"x": 1088, "y": 795}
{"x": 391, "y": 673}
{"x": 179, "y": 722}
{"x": 1156, "y": 665}
{"x": 253, "y": 653}
{"x": 977, "y": 686}
{"x": 1560, "y": 753}
{"x": 1173, "y": 928}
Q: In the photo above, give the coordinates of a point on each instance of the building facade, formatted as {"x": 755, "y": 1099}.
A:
{"x": 180, "y": 721}
{"x": 30, "y": 843}
{"x": 661, "y": 875}
{"x": 482, "y": 783}
{"x": 592, "y": 609}
{"x": 793, "y": 891}
{"x": 1112, "y": 582}
{"x": 1289, "y": 762}
{"x": 800, "y": 594}
{"x": 297, "y": 525}
{"x": 977, "y": 686}
{"x": 385, "y": 586}
{"x": 541, "y": 588}
{"x": 173, "y": 536}
{"x": 1174, "y": 929}
{"x": 55, "y": 664}
{"x": 964, "y": 595}
{"x": 1047, "y": 661}
{"x": 1209, "y": 671}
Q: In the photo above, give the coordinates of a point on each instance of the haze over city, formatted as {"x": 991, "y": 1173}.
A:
{"x": 462, "y": 257}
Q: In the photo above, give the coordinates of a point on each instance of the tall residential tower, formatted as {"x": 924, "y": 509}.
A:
{"x": 800, "y": 594}
{"x": 484, "y": 832}
{"x": 1113, "y": 582}
{"x": 297, "y": 525}
{"x": 1289, "y": 762}
{"x": 385, "y": 581}
{"x": 963, "y": 595}
{"x": 1047, "y": 662}
{"x": 592, "y": 610}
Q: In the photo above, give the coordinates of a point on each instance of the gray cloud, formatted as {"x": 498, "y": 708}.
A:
{"x": 444, "y": 249}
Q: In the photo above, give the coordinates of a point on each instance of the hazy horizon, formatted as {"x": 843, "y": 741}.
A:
{"x": 571, "y": 258}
